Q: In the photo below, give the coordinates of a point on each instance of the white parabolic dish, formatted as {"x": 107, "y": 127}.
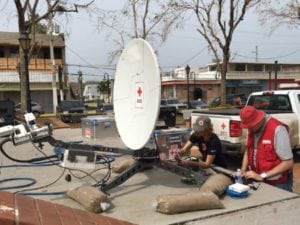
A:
{"x": 136, "y": 95}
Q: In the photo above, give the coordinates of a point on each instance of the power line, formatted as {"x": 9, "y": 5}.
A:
{"x": 194, "y": 56}
{"x": 274, "y": 57}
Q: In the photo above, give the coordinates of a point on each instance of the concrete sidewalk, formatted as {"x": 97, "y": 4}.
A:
{"x": 134, "y": 200}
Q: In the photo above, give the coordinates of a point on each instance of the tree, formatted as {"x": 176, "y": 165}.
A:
{"x": 29, "y": 22}
{"x": 277, "y": 13}
{"x": 103, "y": 86}
{"x": 217, "y": 21}
{"x": 152, "y": 20}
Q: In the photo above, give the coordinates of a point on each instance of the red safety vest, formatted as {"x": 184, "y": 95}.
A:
{"x": 266, "y": 157}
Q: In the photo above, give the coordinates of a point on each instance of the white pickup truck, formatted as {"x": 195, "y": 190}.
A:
{"x": 281, "y": 104}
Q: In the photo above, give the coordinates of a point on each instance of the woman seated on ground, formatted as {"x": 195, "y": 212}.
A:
{"x": 204, "y": 146}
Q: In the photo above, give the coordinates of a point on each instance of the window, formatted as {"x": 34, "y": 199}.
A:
{"x": 274, "y": 103}
{"x": 258, "y": 67}
{"x": 213, "y": 68}
{"x": 1, "y": 52}
{"x": 13, "y": 52}
{"x": 240, "y": 67}
{"x": 57, "y": 53}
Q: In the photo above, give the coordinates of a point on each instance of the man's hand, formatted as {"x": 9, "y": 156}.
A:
{"x": 177, "y": 157}
{"x": 252, "y": 175}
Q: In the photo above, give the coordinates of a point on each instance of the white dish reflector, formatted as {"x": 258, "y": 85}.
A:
{"x": 136, "y": 95}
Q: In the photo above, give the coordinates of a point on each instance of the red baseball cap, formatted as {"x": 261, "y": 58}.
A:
{"x": 250, "y": 116}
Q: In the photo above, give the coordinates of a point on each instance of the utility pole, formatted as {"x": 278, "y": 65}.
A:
{"x": 80, "y": 85}
{"x": 53, "y": 70}
{"x": 256, "y": 53}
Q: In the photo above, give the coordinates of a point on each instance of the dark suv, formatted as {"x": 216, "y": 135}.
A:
{"x": 70, "y": 110}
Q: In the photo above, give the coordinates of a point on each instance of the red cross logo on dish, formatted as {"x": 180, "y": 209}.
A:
{"x": 223, "y": 126}
{"x": 139, "y": 91}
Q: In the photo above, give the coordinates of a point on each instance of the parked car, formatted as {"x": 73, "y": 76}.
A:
{"x": 197, "y": 104}
{"x": 70, "y": 110}
{"x": 173, "y": 102}
{"x": 232, "y": 99}
{"x": 36, "y": 108}
{"x": 105, "y": 108}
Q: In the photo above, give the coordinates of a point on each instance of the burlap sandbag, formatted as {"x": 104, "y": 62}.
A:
{"x": 172, "y": 204}
{"x": 122, "y": 163}
{"x": 216, "y": 183}
{"x": 91, "y": 198}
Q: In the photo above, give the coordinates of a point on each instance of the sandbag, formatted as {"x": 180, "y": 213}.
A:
{"x": 216, "y": 183}
{"x": 91, "y": 198}
{"x": 172, "y": 204}
{"x": 122, "y": 163}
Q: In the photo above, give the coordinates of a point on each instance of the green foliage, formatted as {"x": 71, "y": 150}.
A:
{"x": 103, "y": 86}
{"x": 40, "y": 28}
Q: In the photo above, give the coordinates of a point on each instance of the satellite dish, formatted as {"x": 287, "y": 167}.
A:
{"x": 136, "y": 95}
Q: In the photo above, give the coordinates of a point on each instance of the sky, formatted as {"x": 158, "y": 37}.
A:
{"x": 87, "y": 49}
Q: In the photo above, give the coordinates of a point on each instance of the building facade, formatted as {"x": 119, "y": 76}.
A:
{"x": 40, "y": 68}
{"x": 242, "y": 77}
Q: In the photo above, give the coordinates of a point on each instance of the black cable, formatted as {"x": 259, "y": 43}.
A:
{"x": 37, "y": 188}
{"x": 107, "y": 175}
{"x": 33, "y": 181}
{"x": 23, "y": 161}
{"x": 78, "y": 170}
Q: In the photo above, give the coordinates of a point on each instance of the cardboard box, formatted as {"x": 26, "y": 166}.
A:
{"x": 102, "y": 126}
{"x": 170, "y": 141}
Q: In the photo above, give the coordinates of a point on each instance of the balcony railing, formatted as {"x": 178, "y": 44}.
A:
{"x": 34, "y": 64}
{"x": 232, "y": 75}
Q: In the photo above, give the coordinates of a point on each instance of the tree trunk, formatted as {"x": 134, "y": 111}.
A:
{"x": 23, "y": 82}
{"x": 223, "y": 77}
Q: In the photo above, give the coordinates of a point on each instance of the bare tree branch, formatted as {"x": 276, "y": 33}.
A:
{"x": 217, "y": 20}
{"x": 152, "y": 20}
{"x": 277, "y": 13}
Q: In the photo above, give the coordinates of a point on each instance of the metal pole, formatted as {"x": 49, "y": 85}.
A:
{"x": 276, "y": 65}
{"x": 188, "y": 89}
{"x": 187, "y": 70}
{"x": 194, "y": 97}
{"x": 270, "y": 85}
{"x": 106, "y": 75}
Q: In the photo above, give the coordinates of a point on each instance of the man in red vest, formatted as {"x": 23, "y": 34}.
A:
{"x": 268, "y": 157}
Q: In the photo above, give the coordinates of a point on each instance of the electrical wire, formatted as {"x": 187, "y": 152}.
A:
{"x": 101, "y": 159}
{"x": 19, "y": 160}
{"x": 33, "y": 181}
{"x": 44, "y": 186}
{"x": 275, "y": 57}
{"x": 106, "y": 160}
